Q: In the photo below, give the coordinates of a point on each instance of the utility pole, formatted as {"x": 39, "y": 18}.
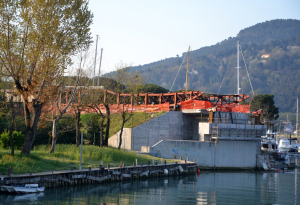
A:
{"x": 95, "y": 59}
{"x": 187, "y": 71}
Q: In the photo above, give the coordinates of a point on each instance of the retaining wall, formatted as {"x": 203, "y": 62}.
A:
{"x": 168, "y": 126}
{"x": 222, "y": 154}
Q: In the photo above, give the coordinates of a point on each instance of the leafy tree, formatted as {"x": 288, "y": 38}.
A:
{"x": 266, "y": 103}
{"x": 131, "y": 80}
{"x": 38, "y": 40}
{"x": 17, "y": 138}
{"x": 152, "y": 88}
{"x": 75, "y": 95}
{"x": 10, "y": 111}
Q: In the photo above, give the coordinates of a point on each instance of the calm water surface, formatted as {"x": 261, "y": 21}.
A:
{"x": 207, "y": 188}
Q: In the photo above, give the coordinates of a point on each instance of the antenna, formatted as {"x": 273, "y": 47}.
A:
{"x": 95, "y": 59}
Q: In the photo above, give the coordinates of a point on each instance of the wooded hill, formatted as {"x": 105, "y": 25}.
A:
{"x": 272, "y": 55}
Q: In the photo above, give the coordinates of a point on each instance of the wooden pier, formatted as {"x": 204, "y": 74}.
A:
{"x": 98, "y": 175}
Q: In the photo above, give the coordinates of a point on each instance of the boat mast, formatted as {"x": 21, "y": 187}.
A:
{"x": 298, "y": 141}
{"x": 95, "y": 60}
{"x": 100, "y": 66}
{"x": 187, "y": 71}
{"x": 238, "y": 68}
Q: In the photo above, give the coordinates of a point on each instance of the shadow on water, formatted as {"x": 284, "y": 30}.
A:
{"x": 207, "y": 188}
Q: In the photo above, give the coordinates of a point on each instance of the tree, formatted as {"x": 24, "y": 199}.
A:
{"x": 152, "y": 88}
{"x": 10, "y": 111}
{"x": 131, "y": 81}
{"x": 75, "y": 94}
{"x": 38, "y": 40}
{"x": 102, "y": 99}
{"x": 266, "y": 103}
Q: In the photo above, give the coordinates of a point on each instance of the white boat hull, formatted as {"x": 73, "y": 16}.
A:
{"x": 284, "y": 149}
{"x": 10, "y": 189}
{"x": 26, "y": 190}
{"x": 4, "y": 188}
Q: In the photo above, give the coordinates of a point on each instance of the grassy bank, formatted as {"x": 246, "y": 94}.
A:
{"x": 116, "y": 120}
{"x": 66, "y": 156}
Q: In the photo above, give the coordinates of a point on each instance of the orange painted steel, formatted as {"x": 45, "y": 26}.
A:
{"x": 156, "y": 102}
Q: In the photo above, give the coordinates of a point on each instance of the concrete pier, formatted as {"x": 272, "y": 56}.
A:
{"x": 98, "y": 175}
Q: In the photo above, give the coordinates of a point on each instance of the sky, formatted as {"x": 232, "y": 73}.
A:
{"x": 138, "y": 32}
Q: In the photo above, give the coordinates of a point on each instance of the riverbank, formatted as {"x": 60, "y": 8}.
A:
{"x": 67, "y": 157}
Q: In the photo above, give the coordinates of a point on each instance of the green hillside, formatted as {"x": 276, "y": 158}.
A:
{"x": 272, "y": 55}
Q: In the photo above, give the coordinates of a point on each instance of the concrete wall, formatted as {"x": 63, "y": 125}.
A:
{"x": 171, "y": 125}
{"x": 114, "y": 140}
{"x": 176, "y": 125}
{"x": 238, "y": 154}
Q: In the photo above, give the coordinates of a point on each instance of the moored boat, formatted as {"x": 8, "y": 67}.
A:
{"x": 28, "y": 188}
{"x": 284, "y": 145}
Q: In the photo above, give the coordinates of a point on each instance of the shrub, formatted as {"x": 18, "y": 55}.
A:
{"x": 17, "y": 137}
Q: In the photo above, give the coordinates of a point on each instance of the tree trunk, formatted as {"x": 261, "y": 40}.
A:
{"x": 11, "y": 140}
{"x": 121, "y": 133}
{"x": 12, "y": 126}
{"x": 77, "y": 117}
{"x": 107, "y": 125}
{"x": 53, "y": 136}
{"x": 101, "y": 137}
{"x": 31, "y": 125}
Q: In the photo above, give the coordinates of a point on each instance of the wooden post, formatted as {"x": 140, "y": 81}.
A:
{"x": 67, "y": 96}
{"x": 146, "y": 99}
{"x": 211, "y": 117}
{"x": 104, "y": 96}
{"x": 180, "y": 157}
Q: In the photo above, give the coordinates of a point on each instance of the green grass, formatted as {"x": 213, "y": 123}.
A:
{"x": 136, "y": 120}
{"x": 66, "y": 156}
{"x": 116, "y": 120}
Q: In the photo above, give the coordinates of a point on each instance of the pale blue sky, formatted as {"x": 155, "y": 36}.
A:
{"x": 139, "y": 32}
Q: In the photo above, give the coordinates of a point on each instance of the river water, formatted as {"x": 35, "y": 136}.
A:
{"x": 206, "y": 188}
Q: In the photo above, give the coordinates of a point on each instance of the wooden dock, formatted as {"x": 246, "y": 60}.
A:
{"x": 98, "y": 175}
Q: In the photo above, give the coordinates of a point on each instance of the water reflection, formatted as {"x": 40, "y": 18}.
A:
{"x": 208, "y": 188}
